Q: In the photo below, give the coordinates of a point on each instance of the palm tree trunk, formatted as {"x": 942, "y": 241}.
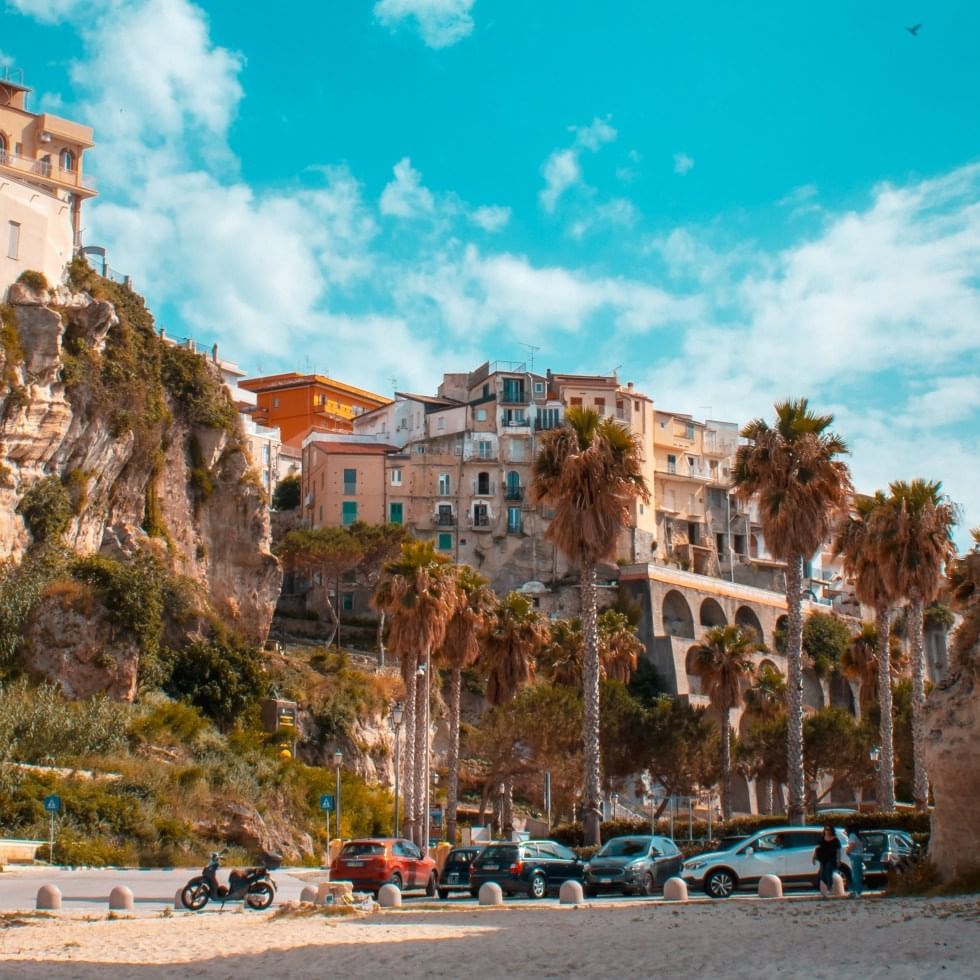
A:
{"x": 507, "y": 808}
{"x": 452, "y": 781}
{"x": 726, "y": 763}
{"x": 767, "y": 795}
{"x": 590, "y": 697}
{"x": 408, "y": 756}
{"x": 886, "y": 757}
{"x": 796, "y": 808}
{"x": 421, "y": 742}
{"x": 381, "y": 640}
{"x": 920, "y": 778}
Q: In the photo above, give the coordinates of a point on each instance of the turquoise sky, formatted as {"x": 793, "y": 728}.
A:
{"x": 728, "y": 202}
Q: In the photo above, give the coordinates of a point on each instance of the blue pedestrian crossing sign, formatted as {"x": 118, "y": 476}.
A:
{"x": 326, "y": 802}
{"x": 52, "y": 803}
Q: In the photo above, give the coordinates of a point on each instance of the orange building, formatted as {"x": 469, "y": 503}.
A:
{"x": 298, "y": 403}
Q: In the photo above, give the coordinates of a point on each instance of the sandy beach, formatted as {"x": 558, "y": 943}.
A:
{"x": 740, "y": 938}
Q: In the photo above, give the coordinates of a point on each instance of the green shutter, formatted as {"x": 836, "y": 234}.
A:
{"x": 348, "y": 512}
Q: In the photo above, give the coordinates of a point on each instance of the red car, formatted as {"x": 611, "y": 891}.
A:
{"x": 372, "y": 862}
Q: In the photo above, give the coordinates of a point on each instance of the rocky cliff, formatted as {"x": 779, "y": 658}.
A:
{"x": 141, "y": 439}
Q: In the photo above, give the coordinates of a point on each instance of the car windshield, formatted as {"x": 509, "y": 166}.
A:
{"x": 460, "y": 857}
{"x": 625, "y": 847}
{"x": 874, "y": 842}
{"x": 496, "y": 855}
{"x": 361, "y": 849}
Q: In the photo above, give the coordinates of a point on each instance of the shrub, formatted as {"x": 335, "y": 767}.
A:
{"x": 287, "y": 494}
{"x": 46, "y": 509}
{"x": 21, "y": 585}
{"x": 161, "y": 721}
{"x": 203, "y": 398}
{"x": 76, "y": 484}
{"x": 34, "y": 280}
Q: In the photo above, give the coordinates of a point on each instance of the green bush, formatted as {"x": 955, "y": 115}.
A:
{"x": 46, "y": 509}
{"x": 21, "y": 586}
{"x": 34, "y": 280}
{"x": 203, "y": 398}
{"x": 287, "y": 493}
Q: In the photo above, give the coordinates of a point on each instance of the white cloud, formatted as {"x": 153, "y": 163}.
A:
{"x": 440, "y": 22}
{"x": 593, "y": 136}
{"x": 561, "y": 171}
{"x": 405, "y": 196}
{"x": 682, "y": 163}
{"x": 491, "y": 217}
{"x": 53, "y": 11}
{"x": 617, "y": 213}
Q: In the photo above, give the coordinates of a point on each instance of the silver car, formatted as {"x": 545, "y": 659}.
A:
{"x": 786, "y": 852}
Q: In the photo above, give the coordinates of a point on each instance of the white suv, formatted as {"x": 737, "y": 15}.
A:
{"x": 786, "y": 852}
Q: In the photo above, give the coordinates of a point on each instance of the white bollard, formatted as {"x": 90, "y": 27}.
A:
{"x": 675, "y": 890}
{"x": 491, "y": 894}
{"x": 770, "y": 886}
{"x": 838, "y": 891}
{"x": 121, "y": 898}
{"x": 571, "y": 893}
{"x": 390, "y": 897}
{"x": 48, "y": 898}
{"x": 179, "y": 899}
{"x": 308, "y": 894}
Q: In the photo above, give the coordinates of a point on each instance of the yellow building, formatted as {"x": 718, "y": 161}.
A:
{"x": 42, "y": 187}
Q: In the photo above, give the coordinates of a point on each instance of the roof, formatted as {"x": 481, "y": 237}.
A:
{"x": 428, "y": 399}
{"x": 353, "y": 448}
{"x": 291, "y": 379}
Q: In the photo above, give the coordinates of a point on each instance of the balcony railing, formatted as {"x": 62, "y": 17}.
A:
{"x": 46, "y": 170}
{"x": 480, "y": 521}
{"x": 443, "y": 519}
{"x": 514, "y": 492}
{"x": 524, "y": 423}
{"x": 682, "y": 470}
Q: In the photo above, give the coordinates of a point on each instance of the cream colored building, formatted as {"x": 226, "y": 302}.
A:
{"x": 42, "y": 187}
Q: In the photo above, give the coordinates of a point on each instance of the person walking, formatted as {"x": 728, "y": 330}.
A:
{"x": 827, "y": 855}
{"x": 855, "y": 851}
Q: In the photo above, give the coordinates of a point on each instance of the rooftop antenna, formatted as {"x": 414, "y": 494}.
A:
{"x": 531, "y": 350}
{"x": 394, "y": 385}
{"x": 615, "y": 369}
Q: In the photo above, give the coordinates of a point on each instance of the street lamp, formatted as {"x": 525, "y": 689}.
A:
{"x": 874, "y": 754}
{"x": 397, "y": 714}
{"x": 338, "y": 758}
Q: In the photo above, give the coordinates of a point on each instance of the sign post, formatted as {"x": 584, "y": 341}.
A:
{"x": 326, "y": 805}
{"x": 52, "y": 803}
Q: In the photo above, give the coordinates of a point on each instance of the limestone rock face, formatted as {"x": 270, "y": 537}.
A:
{"x": 240, "y": 824}
{"x": 220, "y": 539}
{"x": 953, "y": 763}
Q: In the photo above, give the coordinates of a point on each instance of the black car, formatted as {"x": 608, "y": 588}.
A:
{"x": 455, "y": 874}
{"x": 532, "y": 867}
{"x": 638, "y": 864}
{"x": 886, "y": 851}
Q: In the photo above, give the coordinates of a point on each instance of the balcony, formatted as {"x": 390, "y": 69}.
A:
{"x": 684, "y": 471}
{"x": 515, "y": 527}
{"x": 482, "y": 455}
{"x": 480, "y": 521}
{"x": 48, "y": 171}
{"x": 514, "y": 423}
{"x": 514, "y": 492}
{"x": 445, "y": 519}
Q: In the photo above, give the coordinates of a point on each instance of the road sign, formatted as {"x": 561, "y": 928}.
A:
{"x": 326, "y": 802}
{"x": 52, "y": 803}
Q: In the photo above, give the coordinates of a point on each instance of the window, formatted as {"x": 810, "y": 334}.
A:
{"x": 445, "y": 516}
{"x": 548, "y": 418}
{"x": 481, "y": 515}
{"x": 513, "y": 520}
{"x": 720, "y": 543}
{"x": 68, "y": 161}
{"x": 539, "y": 387}
{"x": 444, "y": 542}
{"x": 350, "y": 482}
{"x": 13, "y": 240}
{"x": 266, "y": 454}
{"x": 396, "y": 513}
{"x": 513, "y": 389}
{"x": 396, "y": 477}
{"x": 740, "y": 544}
{"x": 3, "y": 148}
{"x": 347, "y": 601}
{"x": 444, "y": 485}
{"x": 483, "y": 484}
{"x": 575, "y": 402}
{"x": 600, "y": 405}
{"x": 348, "y": 512}
{"x": 517, "y": 450}
{"x": 485, "y": 449}
{"x": 442, "y": 425}
{"x": 689, "y": 430}
{"x": 321, "y": 513}
{"x": 275, "y": 402}
{"x": 513, "y": 485}
{"x": 671, "y": 463}
{"x": 481, "y": 415}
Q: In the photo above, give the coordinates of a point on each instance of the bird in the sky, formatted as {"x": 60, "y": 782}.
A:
{"x": 914, "y": 29}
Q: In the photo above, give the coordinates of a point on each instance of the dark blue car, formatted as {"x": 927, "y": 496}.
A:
{"x": 533, "y": 867}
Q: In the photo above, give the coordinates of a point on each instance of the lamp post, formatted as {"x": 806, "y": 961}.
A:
{"x": 338, "y": 758}
{"x": 435, "y": 793}
{"x": 397, "y": 713}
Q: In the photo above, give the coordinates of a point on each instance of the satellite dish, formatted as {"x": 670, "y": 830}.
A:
{"x": 533, "y": 588}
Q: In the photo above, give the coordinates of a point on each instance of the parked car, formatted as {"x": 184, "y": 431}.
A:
{"x": 886, "y": 851}
{"x": 455, "y": 875}
{"x": 533, "y": 867}
{"x": 638, "y": 864}
{"x": 786, "y": 852}
{"x": 372, "y": 862}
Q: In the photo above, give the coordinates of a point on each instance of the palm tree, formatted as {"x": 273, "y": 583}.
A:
{"x": 474, "y": 601}
{"x": 801, "y": 486}
{"x": 417, "y": 595}
{"x": 514, "y": 635}
{"x": 916, "y": 546}
{"x": 765, "y": 701}
{"x": 964, "y": 589}
{"x": 619, "y": 649}
{"x": 723, "y": 661}
{"x": 590, "y": 471}
{"x": 857, "y": 542}
{"x": 860, "y": 663}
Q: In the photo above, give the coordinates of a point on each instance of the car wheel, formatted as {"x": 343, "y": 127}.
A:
{"x": 539, "y": 887}
{"x": 720, "y": 884}
{"x": 444, "y": 893}
{"x": 649, "y": 886}
{"x": 396, "y": 880}
{"x": 430, "y": 888}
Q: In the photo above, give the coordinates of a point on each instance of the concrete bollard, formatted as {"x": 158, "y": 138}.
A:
{"x": 838, "y": 890}
{"x": 308, "y": 894}
{"x": 770, "y": 886}
{"x": 390, "y": 897}
{"x": 571, "y": 893}
{"x": 48, "y": 898}
{"x": 491, "y": 894}
{"x": 179, "y": 899}
{"x": 675, "y": 890}
{"x": 121, "y": 899}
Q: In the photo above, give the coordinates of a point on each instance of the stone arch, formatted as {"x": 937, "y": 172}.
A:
{"x": 812, "y": 689}
{"x": 693, "y": 678}
{"x": 741, "y": 797}
{"x": 766, "y": 662}
{"x": 779, "y": 634}
{"x": 678, "y": 620}
{"x": 746, "y": 619}
{"x": 712, "y": 614}
{"x": 841, "y": 695}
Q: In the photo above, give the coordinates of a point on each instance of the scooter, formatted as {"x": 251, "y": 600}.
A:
{"x": 253, "y": 886}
